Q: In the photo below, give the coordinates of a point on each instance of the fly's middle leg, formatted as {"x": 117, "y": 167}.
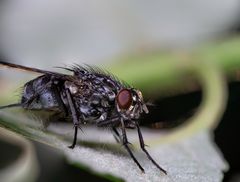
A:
{"x": 74, "y": 117}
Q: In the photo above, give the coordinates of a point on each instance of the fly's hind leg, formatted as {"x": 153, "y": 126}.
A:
{"x": 11, "y": 105}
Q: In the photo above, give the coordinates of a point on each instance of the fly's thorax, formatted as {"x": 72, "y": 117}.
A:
{"x": 94, "y": 98}
{"x": 72, "y": 87}
{"x": 78, "y": 87}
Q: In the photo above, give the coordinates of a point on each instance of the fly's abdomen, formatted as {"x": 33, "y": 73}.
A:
{"x": 40, "y": 93}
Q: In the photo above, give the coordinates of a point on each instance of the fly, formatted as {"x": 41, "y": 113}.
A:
{"x": 87, "y": 95}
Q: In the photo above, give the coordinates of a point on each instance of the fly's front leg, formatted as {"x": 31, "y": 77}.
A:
{"x": 125, "y": 144}
{"x": 146, "y": 152}
{"x": 113, "y": 122}
{"x": 110, "y": 122}
{"x": 74, "y": 117}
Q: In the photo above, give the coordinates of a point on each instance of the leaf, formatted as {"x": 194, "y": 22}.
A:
{"x": 191, "y": 162}
{"x": 96, "y": 150}
{"x": 19, "y": 158}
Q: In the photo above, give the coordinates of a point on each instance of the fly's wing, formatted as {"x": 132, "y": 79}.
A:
{"x": 25, "y": 68}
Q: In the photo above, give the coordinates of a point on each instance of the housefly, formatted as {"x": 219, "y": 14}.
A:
{"x": 87, "y": 95}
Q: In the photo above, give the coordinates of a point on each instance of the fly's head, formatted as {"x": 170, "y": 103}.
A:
{"x": 130, "y": 104}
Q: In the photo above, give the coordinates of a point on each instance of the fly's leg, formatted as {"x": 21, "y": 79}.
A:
{"x": 106, "y": 123}
{"x": 74, "y": 138}
{"x": 125, "y": 144}
{"x": 10, "y": 105}
{"x": 146, "y": 152}
{"x": 74, "y": 117}
{"x": 116, "y": 135}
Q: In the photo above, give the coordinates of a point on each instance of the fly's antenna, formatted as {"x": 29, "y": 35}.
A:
{"x": 10, "y": 105}
{"x": 25, "y": 68}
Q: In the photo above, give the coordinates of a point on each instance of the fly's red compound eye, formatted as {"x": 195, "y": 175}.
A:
{"x": 124, "y": 99}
